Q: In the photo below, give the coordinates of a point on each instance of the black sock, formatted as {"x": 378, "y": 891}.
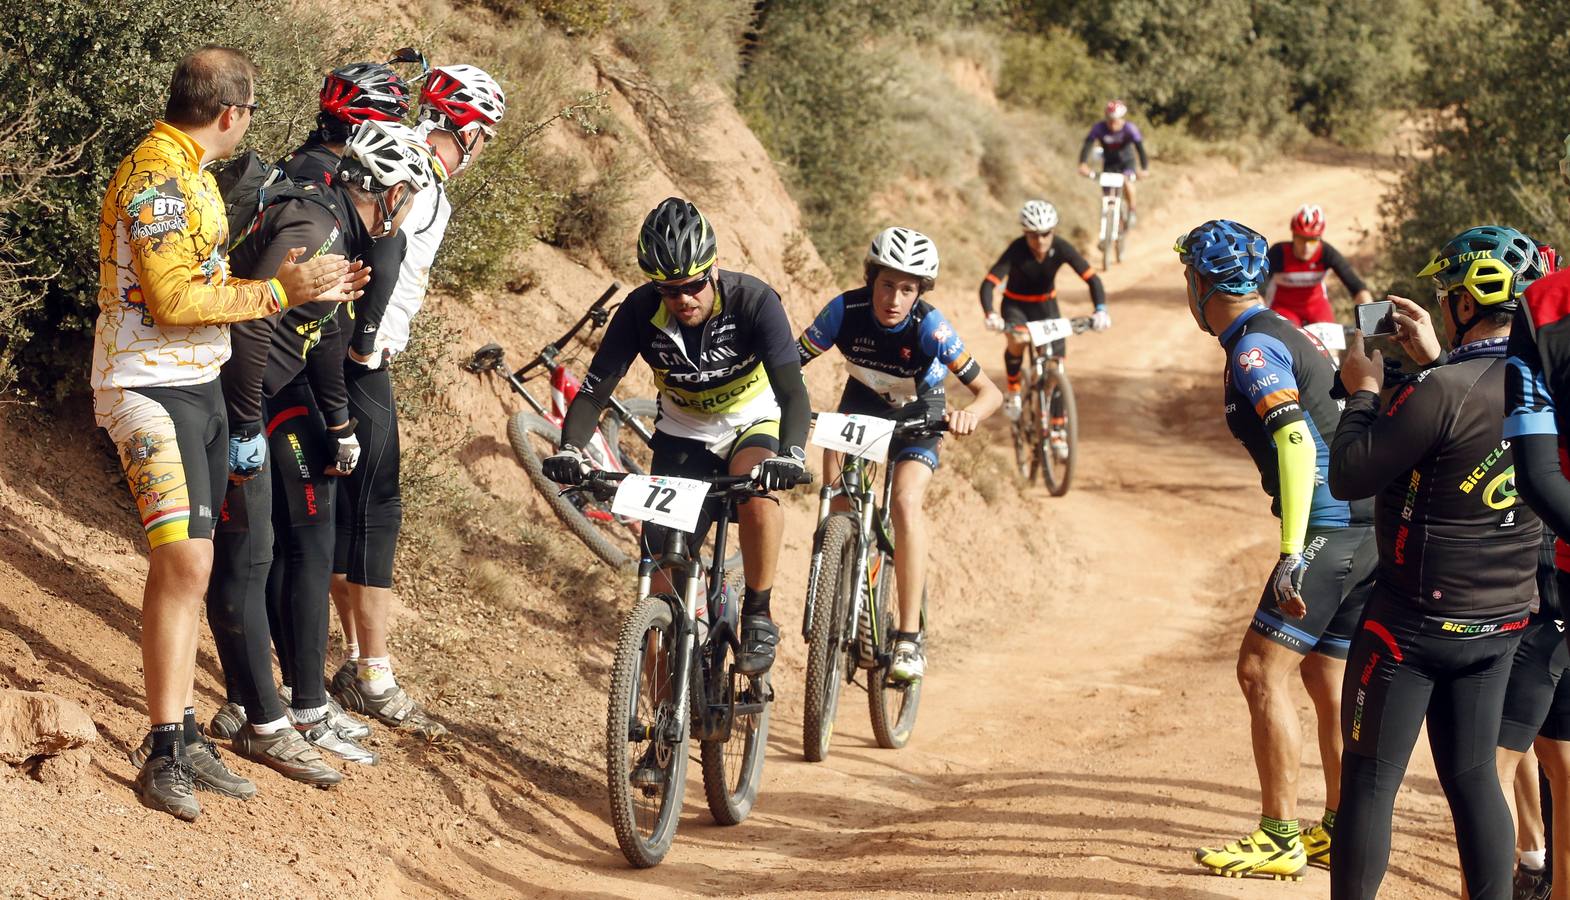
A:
{"x": 192, "y": 731}
{"x": 166, "y": 738}
{"x": 907, "y": 636}
{"x": 756, "y": 603}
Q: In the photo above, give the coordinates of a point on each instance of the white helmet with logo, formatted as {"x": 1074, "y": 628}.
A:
{"x": 904, "y": 250}
{"x": 1038, "y": 216}
{"x": 380, "y": 155}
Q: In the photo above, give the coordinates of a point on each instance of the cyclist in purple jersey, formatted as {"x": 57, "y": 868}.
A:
{"x": 1121, "y": 146}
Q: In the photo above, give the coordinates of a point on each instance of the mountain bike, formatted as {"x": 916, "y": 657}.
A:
{"x": 1114, "y": 217}
{"x": 673, "y": 677}
{"x": 537, "y": 434}
{"x": 849, "y": 618}
{"x": 1046, "y": 435}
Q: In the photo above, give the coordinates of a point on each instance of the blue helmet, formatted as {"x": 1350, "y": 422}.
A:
{"x": 1228, "y": 255}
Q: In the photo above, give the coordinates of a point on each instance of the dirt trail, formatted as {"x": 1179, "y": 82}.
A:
{"x": 1080, "y": 733}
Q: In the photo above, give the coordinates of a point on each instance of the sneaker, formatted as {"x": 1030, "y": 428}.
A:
{"x": 1316, "y": 844}
{"x": 167, "y": 783}
{"x": 227, "y": 721}
{"x": 322, "y": 735}
{"x": 286, "y": 753}
{"x": 759, "y": 635}
{"x": 345, "y": 724}
{"x": 213, "y": 775}
{"x": 1013, "y": 406}
{"x": 1255, "y": 856}
{"x": 1530, "y": 884}
{"x": 393, "y": 708}
{"x": 909, "y": 663}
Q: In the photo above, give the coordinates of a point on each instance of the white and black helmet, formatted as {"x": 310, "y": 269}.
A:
{"x": 904, "y": 250}
{"x": 380, "y": 155}
{"x": 1038, "y": 216}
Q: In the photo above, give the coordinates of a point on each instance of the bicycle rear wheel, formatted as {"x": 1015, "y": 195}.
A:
{"x": 893, "y": 705}
{"x": 826, "y": 640}
{"x": 1058, "y": 464}
{"x": 645, "y": 752}
{"x": 733, "y": 768}
{"x": 532, "y": 439}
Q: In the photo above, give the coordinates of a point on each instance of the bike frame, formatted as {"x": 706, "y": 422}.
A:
{"x": 871, "y": 520}
{"x": 1111, "y": 208}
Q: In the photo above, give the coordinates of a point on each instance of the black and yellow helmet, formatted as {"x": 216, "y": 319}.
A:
{"x": 1493, "y": 263}
{"x": 675, "y": 242}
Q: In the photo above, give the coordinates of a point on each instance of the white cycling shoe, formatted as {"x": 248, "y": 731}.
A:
{"x": 1013, "y": 405}
{"x": 909, "y": 663}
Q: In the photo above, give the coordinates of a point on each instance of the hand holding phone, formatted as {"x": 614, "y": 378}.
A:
{"x": 1376, "y": 319}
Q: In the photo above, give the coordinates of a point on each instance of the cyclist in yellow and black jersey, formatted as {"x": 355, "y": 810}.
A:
{"x": 731, "y": 396}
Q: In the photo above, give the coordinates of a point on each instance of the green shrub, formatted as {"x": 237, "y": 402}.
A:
{"x": 1054, "y": 70}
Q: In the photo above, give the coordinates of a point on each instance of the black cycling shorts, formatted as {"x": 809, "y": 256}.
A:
{"x": 1017, "y": 312}
{"x": 1341, "y": 563}
{"x": 174, "y": 450}
{"x": 1537, "y": 700}
{"x": 859, "y": 399}
{"x": 681, "y": 457}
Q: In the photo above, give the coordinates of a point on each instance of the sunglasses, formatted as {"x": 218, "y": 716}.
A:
{"x": 251, "y": 107}
{"x": 688, "y": 289}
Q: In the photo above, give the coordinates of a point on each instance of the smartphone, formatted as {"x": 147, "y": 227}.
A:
{"x": 1376, "y": 318}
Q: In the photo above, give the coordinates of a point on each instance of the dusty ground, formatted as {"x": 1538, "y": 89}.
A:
{"x": 1081, "y": 730}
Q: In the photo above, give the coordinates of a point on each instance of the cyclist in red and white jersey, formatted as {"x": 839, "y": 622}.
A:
{"x": 1296, "y": 285}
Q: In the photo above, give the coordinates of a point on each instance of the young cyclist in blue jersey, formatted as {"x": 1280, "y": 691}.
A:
{"x": 1279, "y": 406}
{"x": 900, "y": 350}
{"x": 1457, "y": 563}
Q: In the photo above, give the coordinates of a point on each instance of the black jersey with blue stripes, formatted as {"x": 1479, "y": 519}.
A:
{"x": 899, "y": 363}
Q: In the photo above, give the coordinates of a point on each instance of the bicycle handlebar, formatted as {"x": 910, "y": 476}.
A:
{"x": 595, "y": 313}
{"x": 602, "y": 485}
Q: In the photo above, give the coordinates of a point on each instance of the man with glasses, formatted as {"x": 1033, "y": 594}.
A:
{"x": 165, "y": 299}
{"x": 1030, "y": 266}
{"x": 731, "y": 394}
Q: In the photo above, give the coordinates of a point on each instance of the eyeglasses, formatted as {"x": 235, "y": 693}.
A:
{"x": 688, "y": 289}
{"x": 249, "y": 107}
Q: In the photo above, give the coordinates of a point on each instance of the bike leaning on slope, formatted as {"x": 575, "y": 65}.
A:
{"x": 848, "y": 622}
{"x": 1046, "y": 435}
{"x": 673, "y": 677}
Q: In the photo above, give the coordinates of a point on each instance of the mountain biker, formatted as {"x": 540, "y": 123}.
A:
{"x": 164, "y": 300}
{"x": 899, "y": 350}
{"x": 730, "y": 392}
{"x": 1120, "y": 143}
{"x": 351, "y": 94}
{"x": 1030, "y": 265}
{"x": 1537, "y": 429}
{"x": 460, "y": 109}
{"x": 1457, "y": 557}
{"x": 1278, "y": 405}
{"x": 1295, "y": 287}
{"x": 289, "y": 373}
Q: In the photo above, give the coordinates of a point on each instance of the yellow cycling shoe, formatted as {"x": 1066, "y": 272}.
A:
{"x": 1316, "y": 843}
{"x": 1255, "y": 856}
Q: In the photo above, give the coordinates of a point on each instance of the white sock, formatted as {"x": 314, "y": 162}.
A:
{"x": 1534, "y": 859}
{"x": 375, "y": 674}
{"x": 308, "y": 716}
{"x": 353, "y": 648}
{"x": 273, "y": 727}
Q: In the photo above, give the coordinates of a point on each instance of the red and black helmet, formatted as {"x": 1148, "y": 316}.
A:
{"x": 364, "y": 92}
{"x": 1308, "y": 221}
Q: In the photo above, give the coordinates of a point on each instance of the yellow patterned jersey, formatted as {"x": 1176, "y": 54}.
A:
{"x": 164, "y": 292}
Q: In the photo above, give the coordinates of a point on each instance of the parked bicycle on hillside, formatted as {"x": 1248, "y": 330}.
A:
{"x": 849, "y": 619}
{"x": 1046, "y": 435}
{"x": 620, "y": 444}
{"x": 673, "y": 677}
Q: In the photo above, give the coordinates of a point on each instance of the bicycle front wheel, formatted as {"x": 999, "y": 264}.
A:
{"x": 826, "y": 640}
{"x": 733, "y": 768}
{"x": 1027, "y": 430}
{"x": 893, "y": 704}
{"x": 645, "y": 749}
{"x": 532, "y": 439}
{"x": 1063, "y": 426}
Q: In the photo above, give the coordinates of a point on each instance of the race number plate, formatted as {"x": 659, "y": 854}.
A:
{"x": 1111, "y": 179}
{"x": 1331, "y": 334}
{"x": 863, "y": 436}
{"x": 1046, "y": 331}
{"x": 672, "y": 502}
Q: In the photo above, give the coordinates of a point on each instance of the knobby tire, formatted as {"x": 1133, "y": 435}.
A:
{"x": 647, "y": 838}
{"x": 826, "y": 640}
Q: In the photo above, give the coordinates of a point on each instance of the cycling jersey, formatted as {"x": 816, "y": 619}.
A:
{"x": 1118, "y": 148}
{"x": 899, "y": 363}
{"x": 1453, "y": 539}
{"x": 1295, "y": 288}
{"x": 1031, "y": 280}
{"x": 164, "y": 292}
{"x": 1537, "y": 426}
{"x": 1277, "y": 375}
{"x": 311, "y": 163}
{"x": 713, "y": 379}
